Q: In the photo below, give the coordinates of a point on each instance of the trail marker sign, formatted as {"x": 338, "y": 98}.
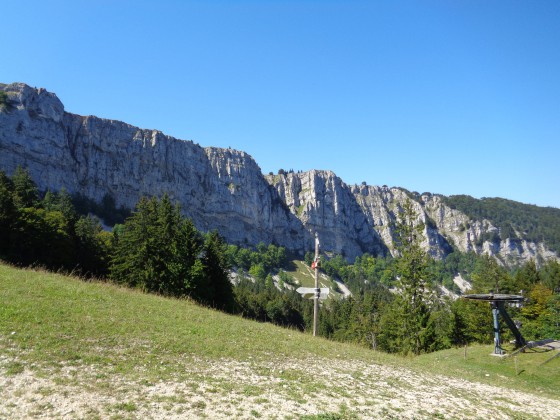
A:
{"x": 311, "y": 292}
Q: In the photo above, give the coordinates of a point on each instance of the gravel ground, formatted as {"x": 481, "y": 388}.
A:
{"x": 258, "y": 389}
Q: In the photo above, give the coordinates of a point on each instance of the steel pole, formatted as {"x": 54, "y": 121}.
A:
{"x": 316, "y": 300}
{"x": 519, "y": 340}
{"x": 497, "y": 340}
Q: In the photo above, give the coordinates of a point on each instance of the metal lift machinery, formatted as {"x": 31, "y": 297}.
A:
{"x": 497, "y": 303}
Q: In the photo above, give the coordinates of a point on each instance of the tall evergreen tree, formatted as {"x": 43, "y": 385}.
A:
{"x": 489, "y": 276}
{"x": 66, "y": 207}
{"x": 134, "y": 247}
{"x": 411, "y": 269}
{"x": 8, "y": 212}
{"x": 25, "y": 190}
{"x": 526, "y": 277}
{"x": 550, "y": 275}
{"x": 156, "y": 250}
{"x": 218, "y": 291}
{"x": 91, "y": 249}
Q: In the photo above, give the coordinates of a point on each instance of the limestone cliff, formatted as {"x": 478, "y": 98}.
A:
{"x": 325, "y": 204}
{"x": 217, "y": 188}
{"x": 224, "y": 189}
{"x": 472, "y": 235}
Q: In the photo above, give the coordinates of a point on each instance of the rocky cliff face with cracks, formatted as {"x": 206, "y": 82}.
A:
{"x": 224, "y": 189}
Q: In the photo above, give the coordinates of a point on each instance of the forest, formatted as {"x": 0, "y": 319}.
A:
{"x": 396, "y": 305}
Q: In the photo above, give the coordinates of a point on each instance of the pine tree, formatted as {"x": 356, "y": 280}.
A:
{"x": 525, "y": 278}
{"x": 219, "y": 291}
{"x": 472, "y": 322}
{"x": 50, "y": 201}
{"x": 133, "y": 247}
{"x": 190, "y": 250}
{"x": 90, "y": 250}
{"x": 550, "y": 274}
{"x": 157, "y": 250}
{"x": 411, "y": 269}
{"x": 8, "y": 212}
{"x": 66, "y": 207}
{"x": 25, "y": 190}
{"x": 488, "y": 277}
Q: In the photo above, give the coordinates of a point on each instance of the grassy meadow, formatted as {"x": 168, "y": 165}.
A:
{"x": 82, "y": 334}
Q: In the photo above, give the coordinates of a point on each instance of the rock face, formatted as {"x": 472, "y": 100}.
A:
{"x": 325, "y": 204}
{"x": 224, "y": 189}
{"x": 219, "y": 189}
{"x": 470, "y": 235}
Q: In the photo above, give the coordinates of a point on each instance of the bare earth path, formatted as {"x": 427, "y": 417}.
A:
{"x": 257, "y": 389}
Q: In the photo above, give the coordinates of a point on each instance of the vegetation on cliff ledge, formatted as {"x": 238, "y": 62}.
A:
{"x": 533, "y": 223}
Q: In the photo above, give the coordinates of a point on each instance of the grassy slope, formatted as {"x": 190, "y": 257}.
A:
{"x": 49, "y": 321}
{"x": 55, "y": 318}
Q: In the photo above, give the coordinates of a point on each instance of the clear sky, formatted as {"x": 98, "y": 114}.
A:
{"x": 450, "y": 96}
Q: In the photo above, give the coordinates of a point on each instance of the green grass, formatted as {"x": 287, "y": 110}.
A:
{"x": 50, "y": 321}
{"x": 301, "y": 273}
{"x": 53, "y": 318}
{"x": 529, "y": 375}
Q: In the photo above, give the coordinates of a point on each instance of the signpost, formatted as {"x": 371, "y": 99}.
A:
{"x": 315, "y": 293}
{"x": 316, "y": 300}
{"x": 311, "y": 292}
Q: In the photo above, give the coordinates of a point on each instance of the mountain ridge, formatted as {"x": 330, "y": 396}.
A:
{"x": 225, "y": 189}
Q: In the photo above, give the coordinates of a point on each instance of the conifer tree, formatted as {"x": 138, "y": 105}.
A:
{"x": 218, "y": 291}
{"x": 91, "y": 250}
{"x": 66, "y": 207}
{"x": 8, "y": 213}
{"x": 157, "y": 250}
{"x": 190, "y": 250}
{"x": 411, "y": 269}
{"x": 25, "y": 190}
{"x": 550, "y": 275}
{"x": 526, "y": 277}
{"x": 134, "y": 247}
{"x": 489, "y": 276}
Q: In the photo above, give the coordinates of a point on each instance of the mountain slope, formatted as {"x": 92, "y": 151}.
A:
{"x": 224, "y": 189}
{"x": 515, "y": 220}
{"x": 73, "y": 349}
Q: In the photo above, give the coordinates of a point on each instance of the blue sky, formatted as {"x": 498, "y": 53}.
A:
{"x": 450, "y": 97}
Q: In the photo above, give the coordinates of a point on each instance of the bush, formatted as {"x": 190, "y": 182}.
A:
{"x": 4, "y": 104}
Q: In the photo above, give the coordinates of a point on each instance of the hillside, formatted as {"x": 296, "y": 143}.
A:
{"x": 224, "y": 189}
{"x": 515, "y": 220}
{"x": 74, "y": 349}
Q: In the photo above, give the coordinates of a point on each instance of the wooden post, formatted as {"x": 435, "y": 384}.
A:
{"x": 317, "y": 290}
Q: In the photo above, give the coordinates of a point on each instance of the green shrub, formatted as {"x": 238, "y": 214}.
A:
{"x": 3, "y": 101}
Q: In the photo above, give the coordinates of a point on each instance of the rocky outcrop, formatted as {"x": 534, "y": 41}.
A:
{"x": 224, "y": 189}
{"x": 480, "y": 236}
{"x": 326, "y": 205}
{"x": 218, "y": 188}
{"x": 381, "y": 205}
